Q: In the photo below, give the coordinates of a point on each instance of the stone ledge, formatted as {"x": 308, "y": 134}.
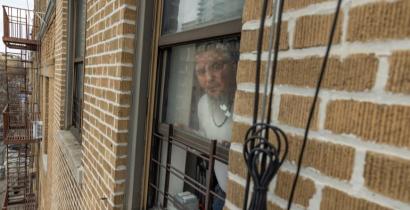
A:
{"x": 72, "y": 151}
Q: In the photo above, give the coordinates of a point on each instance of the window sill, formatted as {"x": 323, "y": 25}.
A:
{"x": 72, "y": 151}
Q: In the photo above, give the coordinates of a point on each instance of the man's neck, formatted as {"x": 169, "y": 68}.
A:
{"x": 221, "y": 100}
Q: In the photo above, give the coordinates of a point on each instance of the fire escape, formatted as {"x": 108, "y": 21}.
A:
{"x": 21, "y": 130}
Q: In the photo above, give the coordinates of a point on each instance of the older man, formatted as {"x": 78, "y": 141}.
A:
{"x": 216, "y": 74}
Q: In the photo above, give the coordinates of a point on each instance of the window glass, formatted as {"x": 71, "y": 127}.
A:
{"x": 198, "y": 97}
{"x": 201, "y": 87}
{"x": 78, "y": 94}
{"x": 183, "y": 15}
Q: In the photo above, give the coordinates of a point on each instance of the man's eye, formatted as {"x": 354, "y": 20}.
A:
{"x": 200, "y": 71}
{"x": 217, "y": 65}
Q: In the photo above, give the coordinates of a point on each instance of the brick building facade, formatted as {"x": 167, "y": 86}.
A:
{"x": 358, "y": 153}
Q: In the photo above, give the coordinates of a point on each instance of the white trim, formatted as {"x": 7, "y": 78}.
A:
{"x": 342, "y": 50}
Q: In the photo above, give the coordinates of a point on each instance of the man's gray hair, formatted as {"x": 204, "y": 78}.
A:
{"x": 229, "y": 48}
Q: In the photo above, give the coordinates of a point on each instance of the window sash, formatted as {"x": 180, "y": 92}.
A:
{"x": 217, "y": 30}
{"x": 186, "y": 136}
{"x": 77, "y": 99}
{"x": 160, "y": 129}
{"x": 78, "y": 51}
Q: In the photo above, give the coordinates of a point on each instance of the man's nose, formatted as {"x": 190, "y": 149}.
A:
{"x": 208, "y": 73}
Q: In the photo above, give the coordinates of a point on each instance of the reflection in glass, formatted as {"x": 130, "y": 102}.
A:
{"x": 199, "y": 90}
{"x": 183, "y": 15}
{"x": 201, "y": 83}
{"x": 78, "y": 94}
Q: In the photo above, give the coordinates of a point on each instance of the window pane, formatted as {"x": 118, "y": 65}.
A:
{"x": 198, "y": 97}
{"x": 201, "y": 83}
{"x": 183, "y": 15}
{"x": 78, "y": 94}
{"x": 80, "y": 28}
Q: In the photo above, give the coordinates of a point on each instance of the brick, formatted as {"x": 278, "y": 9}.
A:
{"x": 235, "y": 193}
{"x": 379, "y": 21}
{"x": 354, "y": 73}
{"x": 294, "y": 111}
{"x": 386, "y": 124}
{"x": 304, "y": 191}
{"x": 313, "y": 31}
{"x": 333, "y": 199}
{"x": 272, "y": 206}
{"x": 237, "y": 164}
{"x": 252, "y": 10}
{"x": 388, "y": 175}
{"x": 249, "y": 39}
{"x": 298, "y": 4}
{"x": 323, "y": 156}
{"x": 239, "y": 132}
{"x": 246, "y": 72}
{"x": 399, "y": 74}
{"x": 244, "y": 103}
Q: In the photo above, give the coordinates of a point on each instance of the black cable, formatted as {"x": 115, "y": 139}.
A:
{"x": 273, "y": 156}
{"x": 275, "y": 59}
{"x": 257, "y": 81}
{"x": 312, "y": 109}
{"x": 263, "y": 159}
{"x": 258, "y": 60}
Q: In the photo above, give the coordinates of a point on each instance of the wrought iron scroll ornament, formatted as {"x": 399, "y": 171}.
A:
{"x": 264, "y": 155}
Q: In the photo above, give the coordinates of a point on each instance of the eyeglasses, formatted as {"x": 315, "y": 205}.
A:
{"x": 212, "y": 67}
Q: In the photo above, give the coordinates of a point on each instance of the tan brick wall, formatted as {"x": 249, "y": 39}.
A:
{"x": 302, "y": 195}
{"x": 381, "y": 123}
{"x": 59, "y": 189}
{"x": 383, "y": 20}
{"x": 358, "y": 153}
{"x": 66, "y": 192}
{"x": 294, "y": 111}
{"x": 320, "y": 159}
{"x": 249, "y": 42}
{"x": 399, "y": 77}
{"x": 107, "y": 97}
{"x": 60, "y": 53}
{"x": 47, "y": 59}
{"x": 342, "y": 74}
{"x": 309, "y": 31}
{"x": 337, "y": 200}
{"x": 388, "y": 175}
{"x": 354, "y": 73}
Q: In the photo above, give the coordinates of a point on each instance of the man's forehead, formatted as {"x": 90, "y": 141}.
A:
{"x": 209, "y": 55}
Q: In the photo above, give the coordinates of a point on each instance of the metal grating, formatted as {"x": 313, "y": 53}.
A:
{"x": 18, "y": 28}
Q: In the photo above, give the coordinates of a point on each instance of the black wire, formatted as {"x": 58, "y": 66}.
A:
{"x": 262, "y": 172}
{"x": 275, "y": 59}
{"x": 264, "y": 159}
{"x": 257, "y": 81}
{"x": 258, "y": 61}
{"x": 312, "y": 108}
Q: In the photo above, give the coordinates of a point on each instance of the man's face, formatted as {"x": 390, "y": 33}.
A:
{"x": 214, "y": 73}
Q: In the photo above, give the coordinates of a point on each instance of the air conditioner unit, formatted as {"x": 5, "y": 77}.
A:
{"x": 38, "y": 129}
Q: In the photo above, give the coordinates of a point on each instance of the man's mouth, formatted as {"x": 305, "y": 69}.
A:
{"x": 212, "y": 88}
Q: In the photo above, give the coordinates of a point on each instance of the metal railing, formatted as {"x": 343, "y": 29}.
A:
{"x": 18, "y": 28}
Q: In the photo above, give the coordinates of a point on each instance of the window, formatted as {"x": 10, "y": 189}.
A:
{"x": 45, "y": 86}
{"x": 78, "y": 65}
{"x": 198, "y": 51}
